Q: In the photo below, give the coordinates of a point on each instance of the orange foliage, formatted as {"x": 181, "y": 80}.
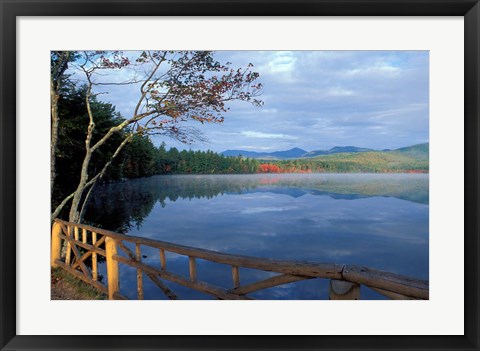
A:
{"x": 271, "y": 168}
{"x": 269, "y": 181}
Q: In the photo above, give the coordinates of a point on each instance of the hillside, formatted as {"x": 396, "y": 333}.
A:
{"x": 362, "y": 162}
{"x": 419, "y": 151}
{"x": 337, "y": 150}
{"x": 408, "y": 159}
{"x": 377, "y": 161}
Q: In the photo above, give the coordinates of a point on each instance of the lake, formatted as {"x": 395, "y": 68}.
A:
{"x": 376, "y": 220}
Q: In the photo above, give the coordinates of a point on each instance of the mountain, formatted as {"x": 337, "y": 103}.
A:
{"x": 337, "y": 150}
{"x": 418, "y": 151}
{"x": 234, "y": 153}
{"x": 292, "y": 153}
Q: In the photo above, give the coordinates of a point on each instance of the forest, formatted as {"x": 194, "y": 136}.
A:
{"x": 414, "y": 160}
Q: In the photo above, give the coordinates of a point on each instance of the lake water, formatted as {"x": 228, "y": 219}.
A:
{"x": 379, "y": 221}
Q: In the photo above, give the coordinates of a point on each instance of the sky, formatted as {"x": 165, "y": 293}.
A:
{"x": 316, "y": 100}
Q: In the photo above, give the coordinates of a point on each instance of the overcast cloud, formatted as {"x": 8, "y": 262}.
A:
{"x": 320, "y": 99}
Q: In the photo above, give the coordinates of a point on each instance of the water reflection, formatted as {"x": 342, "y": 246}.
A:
{"x": 119, "y": 206}
{"x": 380, "y": 221}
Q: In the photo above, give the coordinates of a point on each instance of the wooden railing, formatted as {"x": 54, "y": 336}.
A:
{"x": 84, "y": 243}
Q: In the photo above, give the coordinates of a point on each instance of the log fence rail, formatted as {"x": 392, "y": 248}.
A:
{"x": 81, "y": 260}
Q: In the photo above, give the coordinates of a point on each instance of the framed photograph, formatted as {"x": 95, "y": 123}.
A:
{"x": 254, "y": 118}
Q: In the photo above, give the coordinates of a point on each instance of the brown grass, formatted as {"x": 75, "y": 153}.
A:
{"x": 64, "y": 286}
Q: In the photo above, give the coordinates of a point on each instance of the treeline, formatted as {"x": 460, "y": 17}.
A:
{"x": 363, "y": 162}
{"x": 142, "y": 159}
{"x": 174, "y": 161}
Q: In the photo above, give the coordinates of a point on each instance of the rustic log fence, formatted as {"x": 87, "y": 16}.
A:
{"x": 81, "y": 260}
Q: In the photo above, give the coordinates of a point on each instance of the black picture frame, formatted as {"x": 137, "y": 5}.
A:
{"x": 469, "y": 9}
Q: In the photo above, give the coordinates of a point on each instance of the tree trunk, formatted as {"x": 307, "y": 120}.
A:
{"x": 74, "y": 213}
{"x": 54, "y": 96}
{"x": 81, "y": 188}
{"x": 56, "y": 75}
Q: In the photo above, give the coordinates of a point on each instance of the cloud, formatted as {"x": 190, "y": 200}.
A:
{"x": 338, "y": 91}
{"x": 255, "y": 147}
{"x": 282, "y": 62}
{"x": 252, "y": 134}
{"x": 256, "y": 210}
{"x": 383, "y": 69}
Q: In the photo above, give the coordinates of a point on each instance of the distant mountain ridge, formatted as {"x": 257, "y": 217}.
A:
{"x": 415, "y": 150}
{"x": 292, "y": 153}
{"x": 337, "y": 150}
{"x": 419, "y": 150}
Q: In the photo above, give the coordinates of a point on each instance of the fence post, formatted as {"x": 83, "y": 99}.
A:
{"x": 236, "y": 277}
{"x": 112, "y": 267}
{"x": 68, "y": 254}
{"x": 342, "y": 290}
{"x": 56, "y": 249}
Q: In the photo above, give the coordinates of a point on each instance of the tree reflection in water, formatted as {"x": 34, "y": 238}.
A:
{"x": 123, "y": 205}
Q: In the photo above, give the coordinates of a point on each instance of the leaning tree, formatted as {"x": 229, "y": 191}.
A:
{"x": 175, "y": 88}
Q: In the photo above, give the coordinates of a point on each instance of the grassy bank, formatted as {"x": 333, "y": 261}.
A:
{"x": 65, "y": 286}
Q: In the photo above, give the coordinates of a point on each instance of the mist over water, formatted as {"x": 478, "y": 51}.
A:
{"x": 374, "y": 220}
